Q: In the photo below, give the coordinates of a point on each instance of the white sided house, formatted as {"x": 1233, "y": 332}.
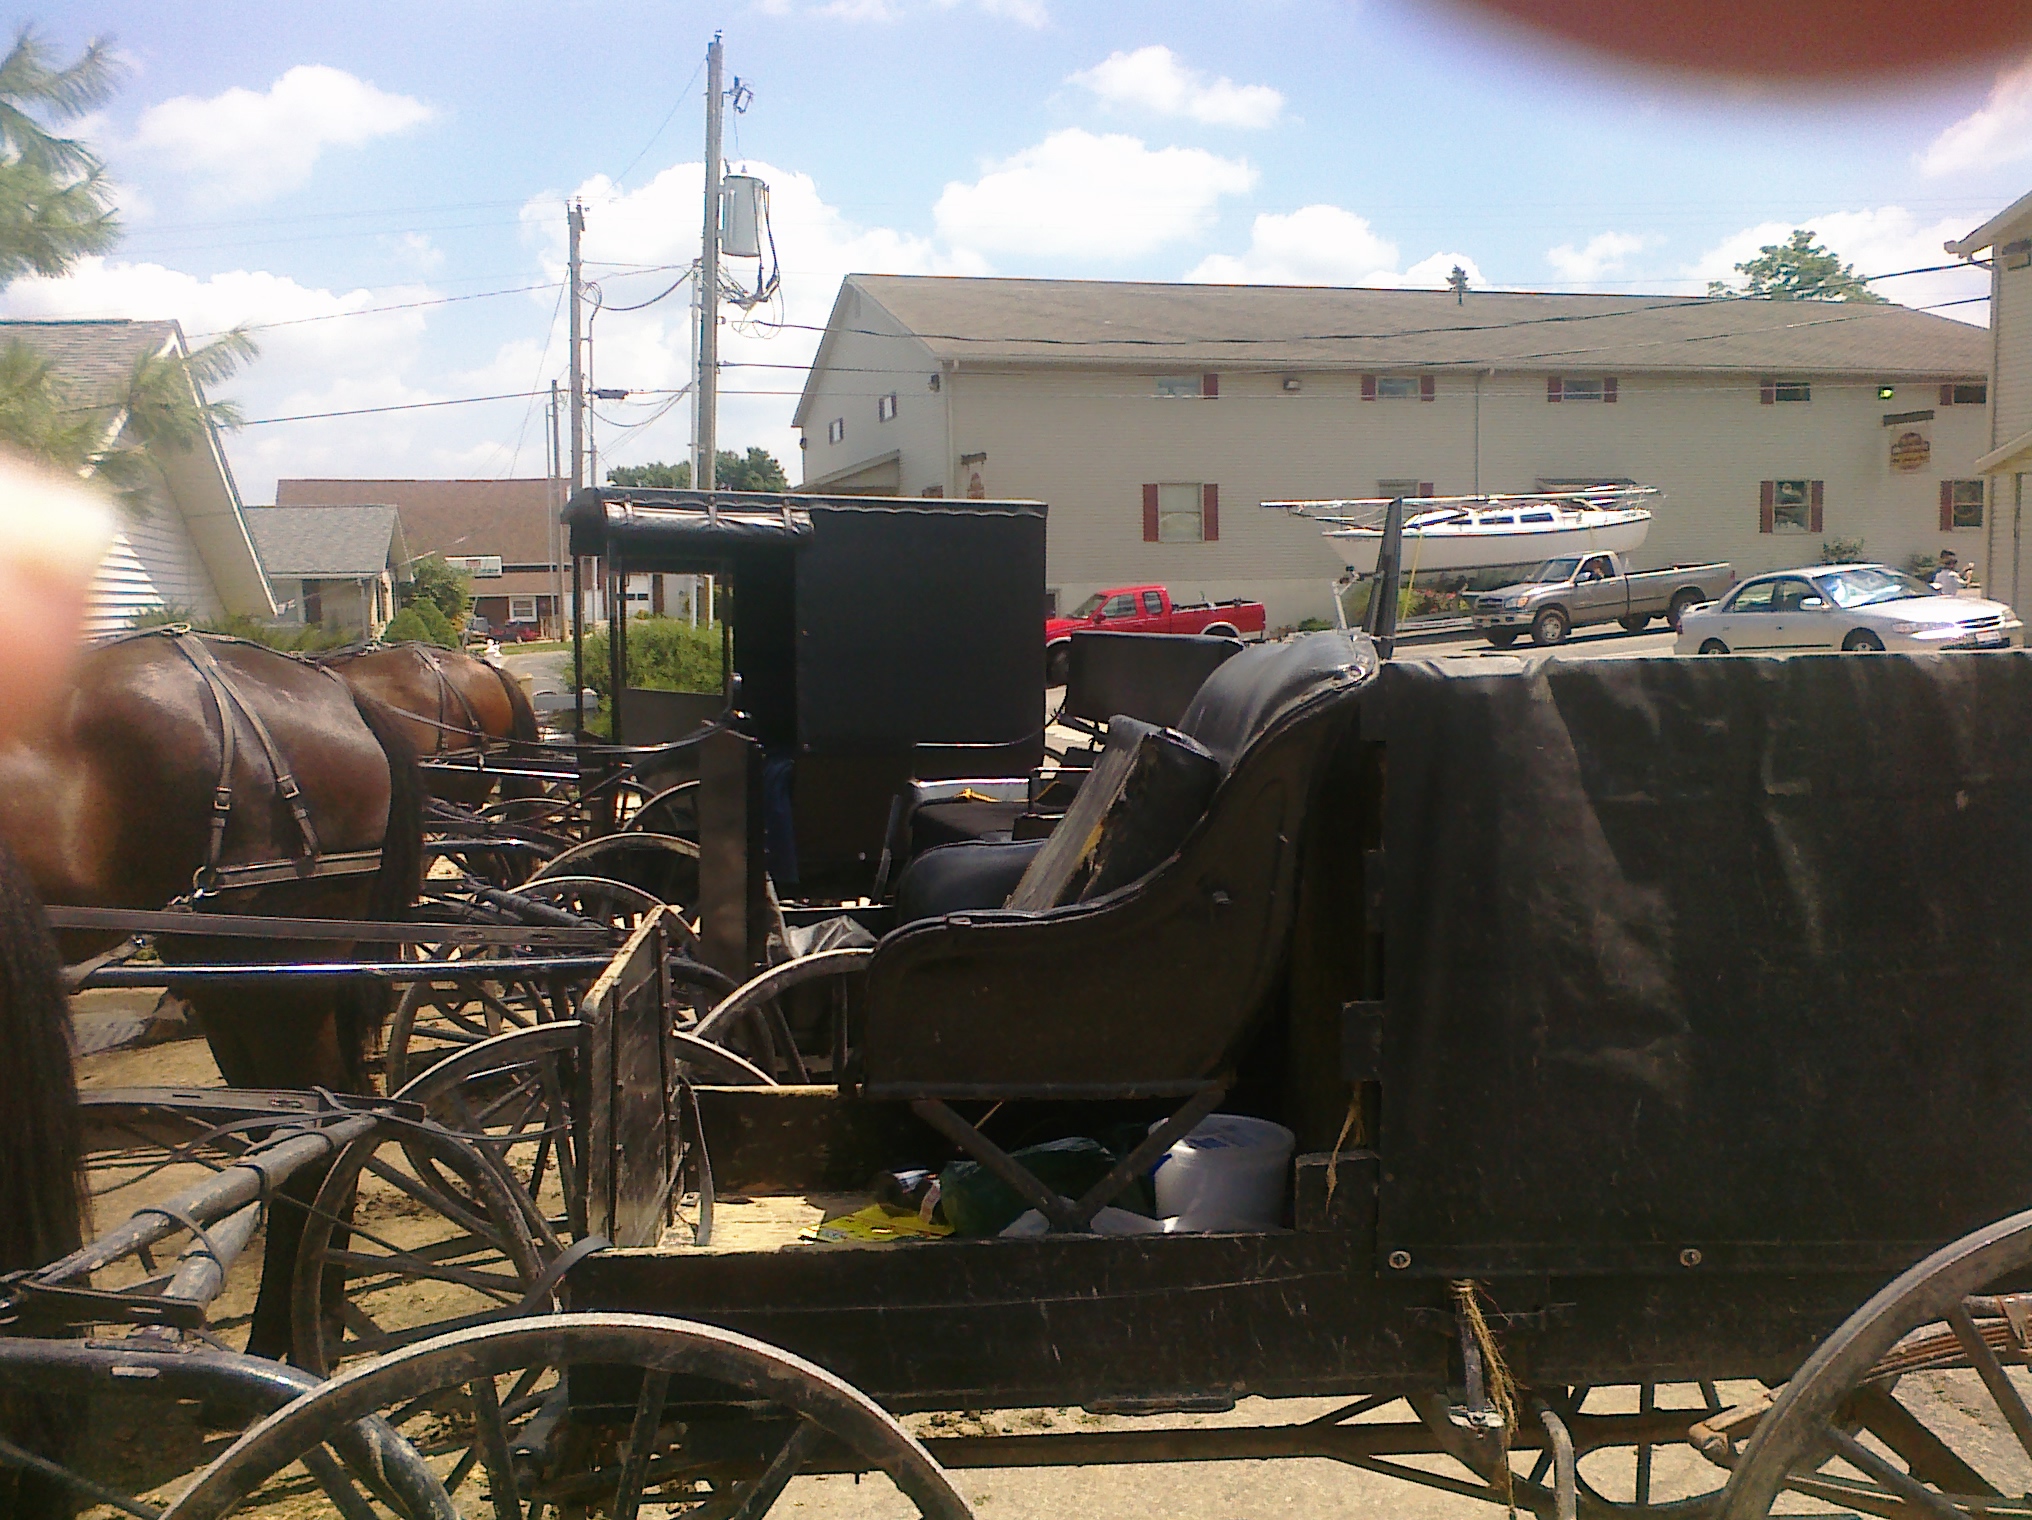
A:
{"x": 186, "y": 546}
{"x": 2006, "y": 461}
{"x": 1154, "y": 418}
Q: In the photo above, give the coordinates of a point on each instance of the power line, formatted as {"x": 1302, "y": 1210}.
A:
{"x": 369, "y": 311}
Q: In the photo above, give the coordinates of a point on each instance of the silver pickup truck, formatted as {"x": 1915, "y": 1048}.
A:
{"x": 1575, "y": 590}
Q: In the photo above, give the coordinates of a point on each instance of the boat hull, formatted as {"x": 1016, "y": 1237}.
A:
{"x": 1437, "y": 549}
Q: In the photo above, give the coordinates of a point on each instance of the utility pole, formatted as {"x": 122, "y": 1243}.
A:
{"x": 575, "y": 219}
{"x": 556, "y": 507}
{"x": 707, "y": 432}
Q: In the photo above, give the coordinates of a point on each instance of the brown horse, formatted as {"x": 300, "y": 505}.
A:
{"x": 115, "y": 806}
{"x": 449, "y": 704}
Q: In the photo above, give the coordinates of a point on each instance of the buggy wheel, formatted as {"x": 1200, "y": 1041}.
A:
{"x": 436, "y": 1019}
{"x": 674, "y": 810}
{"x": 614, "y": 903}
{"x": 662, "y": 864}
{"x": 598, "y": 1412}
{"x": 413, "y": 1232}
{"x": 514, "y": 1097}
{"x": 1917, "y": 1405}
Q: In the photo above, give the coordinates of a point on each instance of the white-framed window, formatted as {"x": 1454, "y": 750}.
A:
{"x": 1181, "y": 513}
{"x": 521, "y": 609}
{"x": 1178, "y": 385}
{"x": 1580, "y": 388}
{"x": 1774, "y": 391}
{"x": 836, "y": 430}
{"x": 1396, "y": 488}
{"x": 1396, "y": 387}
{"x": 1792, "y": 506}
{"x": 885, "y": 407}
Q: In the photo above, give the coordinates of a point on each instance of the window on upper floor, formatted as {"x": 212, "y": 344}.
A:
{"x": 1773, "y": 391}
{"x": 1399, "y": 387}
{"x": 836, "y": 430}
{"x": 1966, "y": 393}
{"x": 1178, "y": 385}
{"x": 1580, "y": 388}
{"x": 1407, "y": 487}
{"x": 885, "y": 407}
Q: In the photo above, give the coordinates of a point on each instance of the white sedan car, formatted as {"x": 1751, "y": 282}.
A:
{"x": 1845, "y": 607}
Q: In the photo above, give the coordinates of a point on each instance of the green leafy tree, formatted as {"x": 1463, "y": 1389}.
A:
{"x": 441, "y": 594}
{"x": 55, "y": 203}
{"x": 56, "y": 207}
{"x": 1798, "y": 269}
{"x": 757, "y": 470}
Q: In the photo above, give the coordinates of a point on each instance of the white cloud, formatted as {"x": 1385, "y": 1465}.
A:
{"x": 1029, "y": 13}
{"x": 1603, "y": 254}
{"x": 1095, "y": 198}
{"x": 2000, "y": 133}
{"x": 1157, "y": 80}
{"x": 1327, "y": 245}
{"x": 860, "y": 10}
{"x": 1878, "y": 240}
{"x": 246, "y": 145}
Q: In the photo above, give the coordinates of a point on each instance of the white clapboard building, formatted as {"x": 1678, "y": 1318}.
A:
{"x": 1154, "y": 417}
{"x": 186, "y": 545}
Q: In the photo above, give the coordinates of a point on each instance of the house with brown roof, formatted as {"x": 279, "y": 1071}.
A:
{"x": 502, "y": 533}
{"x": 186, "y": 544}
{"x": 1153, "y": 418}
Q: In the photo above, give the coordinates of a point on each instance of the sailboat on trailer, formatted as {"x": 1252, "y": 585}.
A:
{"x": 1483, "y": 532}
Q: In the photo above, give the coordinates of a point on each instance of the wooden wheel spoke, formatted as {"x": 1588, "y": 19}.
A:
{"x": 492, "y": 1444}
{"x": 409, "y": 1265}
{"x": 1930, "y": 1459}
{"x": 1991, "y": 1371}
{"x": 338, "y": 1485}
{"x": 761, "y": 1496}
{"x": 430, "y": 1198}
{"x": 641, "y": 1443}
{"x": 1893, "y": 1477}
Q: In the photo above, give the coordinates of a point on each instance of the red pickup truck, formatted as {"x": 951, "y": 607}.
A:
{"x": 1145, "y": 609}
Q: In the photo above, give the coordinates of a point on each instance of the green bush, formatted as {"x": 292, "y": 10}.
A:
{"x": 419, "y": 624}
{"x": 664, "y": 654}
{"x": 435, "y": 586}
{"x": 308, "y": 639}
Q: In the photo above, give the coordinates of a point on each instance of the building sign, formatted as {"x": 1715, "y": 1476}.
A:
{"x": 1908, "y": 438}
{"x": 483, "y": 567}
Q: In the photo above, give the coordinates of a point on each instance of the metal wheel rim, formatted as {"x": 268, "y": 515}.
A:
{"x": 649, "y": 1342}
{"x": 1808, "y": 1403}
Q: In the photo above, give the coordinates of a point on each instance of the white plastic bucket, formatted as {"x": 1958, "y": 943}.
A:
{"x": 1229, "y": 1173}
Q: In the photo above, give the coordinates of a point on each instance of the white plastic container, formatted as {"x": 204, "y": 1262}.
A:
{"x": 1229, "y": 1173}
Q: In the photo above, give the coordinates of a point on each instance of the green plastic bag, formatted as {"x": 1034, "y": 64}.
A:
{"x": 976, "y": 1202}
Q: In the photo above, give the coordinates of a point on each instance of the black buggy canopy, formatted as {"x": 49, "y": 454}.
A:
{"x": 683, "y": 532}
{"x": 1704, "y": 965}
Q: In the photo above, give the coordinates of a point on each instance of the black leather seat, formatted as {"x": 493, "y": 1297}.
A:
{"x": 1148, "y": 988}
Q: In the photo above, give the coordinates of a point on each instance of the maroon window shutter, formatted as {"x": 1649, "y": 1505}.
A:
{"x": 1767, "y": 506}
{"x": 1368, "y": 387}
{"x": 1427, "y": 387}
{"x": 1209, "y": 386}
{"x": 1815, "y": 521}
{"x": 1947, "y": 395}
{"x": 1946, "y": 506}
{"x": 1609, "y": 388}
{"x": 1150, "y": 514}
{"x": 1210, "y": 513}
{"x": 1424, "y": 488}
{"x": 1553, "y": 388}
{"x": 1767, "y": 393}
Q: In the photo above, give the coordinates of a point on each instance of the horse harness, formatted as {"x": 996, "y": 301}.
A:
{"x": 211, "y": 878}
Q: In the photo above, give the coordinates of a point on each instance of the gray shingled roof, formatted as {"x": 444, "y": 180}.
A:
{"x": 1087, "y": 322}
{"x": 323, "y": 541}
{"x": 92, "y": 359}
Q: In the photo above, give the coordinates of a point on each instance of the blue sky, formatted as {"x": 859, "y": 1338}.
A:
{"x": 299, "y": 168}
